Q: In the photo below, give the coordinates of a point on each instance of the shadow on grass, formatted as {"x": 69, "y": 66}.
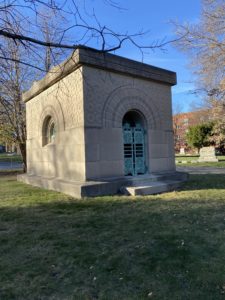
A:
{"x": 113, "y": 248}
{"x": 10, "y": 172}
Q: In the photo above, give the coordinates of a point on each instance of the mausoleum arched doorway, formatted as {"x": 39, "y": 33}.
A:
{"x": 134, "y": 143}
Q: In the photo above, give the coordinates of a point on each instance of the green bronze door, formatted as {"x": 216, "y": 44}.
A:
{"x": 134, "y": 149}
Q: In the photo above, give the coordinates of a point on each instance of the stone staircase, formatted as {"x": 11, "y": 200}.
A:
{"x": 154, "y": 184}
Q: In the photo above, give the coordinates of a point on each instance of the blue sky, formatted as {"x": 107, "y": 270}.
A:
{"x": 155, "y": 16}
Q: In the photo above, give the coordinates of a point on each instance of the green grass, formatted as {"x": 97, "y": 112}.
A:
{"x": 169, "y": 246}
{"x": 182, "y": 156}
{"x": 192, "y": 161}
{"x": 186, "y": 158}
{"x": 219, "y": 164}
{"x": 10, "y": 158}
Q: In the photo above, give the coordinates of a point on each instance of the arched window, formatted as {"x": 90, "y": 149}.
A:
{"x": 49, "y": 131}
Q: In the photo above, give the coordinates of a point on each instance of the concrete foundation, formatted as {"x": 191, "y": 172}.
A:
{"x": 129, "y": 185}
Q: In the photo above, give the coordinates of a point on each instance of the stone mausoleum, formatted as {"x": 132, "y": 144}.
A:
{"x": 101, "y": 124}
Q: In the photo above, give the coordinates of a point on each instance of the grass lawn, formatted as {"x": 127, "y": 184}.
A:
{"x": 219, "y": 164}
{"x": 192, "y": 161}
{"x": 10, "y": 158}
{"x": 169, "y": 246}
{"x": 186, "y": 158}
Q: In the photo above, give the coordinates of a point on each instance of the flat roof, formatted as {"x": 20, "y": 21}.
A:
{"x": 101, "y": 60}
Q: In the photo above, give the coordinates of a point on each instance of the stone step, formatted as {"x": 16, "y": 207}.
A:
{"x": 149, "y": 179}
{"x": 155, "y": 187}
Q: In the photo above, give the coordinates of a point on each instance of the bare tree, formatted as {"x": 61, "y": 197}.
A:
{"x": 204, "y": 42}
{"x": 13, "y": 78}
{"x": 51, "y": 25}
{"x": 37, "y": 34}
{"x": 82, "y": 26}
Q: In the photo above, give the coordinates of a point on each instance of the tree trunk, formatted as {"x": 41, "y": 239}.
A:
{"x": 23, "y": 151}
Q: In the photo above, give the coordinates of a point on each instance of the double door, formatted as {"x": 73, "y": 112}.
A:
{"x": 134, "y": 149}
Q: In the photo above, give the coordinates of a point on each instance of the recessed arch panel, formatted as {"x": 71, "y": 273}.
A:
{"x": 129, "y": 98}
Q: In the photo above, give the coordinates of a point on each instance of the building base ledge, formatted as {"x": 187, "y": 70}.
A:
{"x": 102, "y": 187}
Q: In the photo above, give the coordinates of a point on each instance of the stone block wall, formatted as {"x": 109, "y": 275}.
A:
{"x": 65, "y": 157}
{"x": 114, "y": 95}
{"x": 88, "y": 104}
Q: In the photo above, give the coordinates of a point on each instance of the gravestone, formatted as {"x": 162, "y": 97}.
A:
{"x": 208, "y": 154}
{"x": 182, "y": 150}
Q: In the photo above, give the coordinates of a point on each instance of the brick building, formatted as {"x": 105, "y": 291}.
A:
{"x": 182, "y": 122}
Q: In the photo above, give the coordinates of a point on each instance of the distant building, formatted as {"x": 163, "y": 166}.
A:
{"x": 182, "y": 122}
